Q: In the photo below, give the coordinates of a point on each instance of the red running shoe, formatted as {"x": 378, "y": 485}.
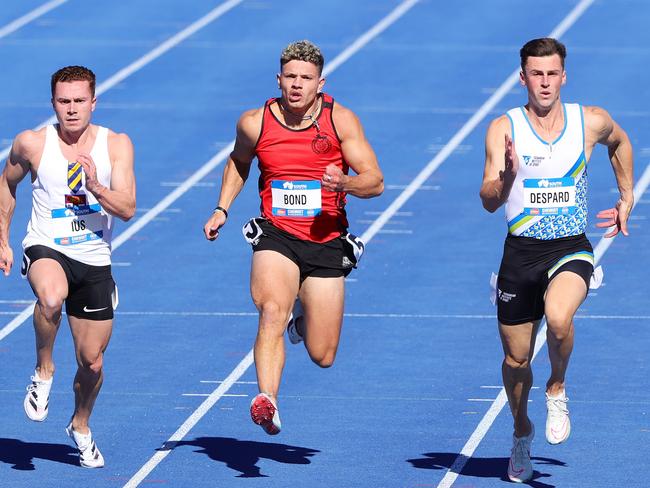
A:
{"x": 265, "y": 414}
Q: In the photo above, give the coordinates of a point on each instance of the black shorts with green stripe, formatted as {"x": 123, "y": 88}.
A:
{"x": 527, "y": 267}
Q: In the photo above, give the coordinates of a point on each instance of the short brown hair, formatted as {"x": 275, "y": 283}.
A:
{"x": 303, "y": 51}
{"x": 74, "y": 73}
{"x": 544, "y": 46}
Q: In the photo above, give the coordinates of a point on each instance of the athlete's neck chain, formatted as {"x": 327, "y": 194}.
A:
{"x": 311, "y": 116}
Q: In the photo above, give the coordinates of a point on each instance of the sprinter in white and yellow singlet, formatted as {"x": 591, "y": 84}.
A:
{"x": 82, "y": 176}
{"x": 536, "y": 164}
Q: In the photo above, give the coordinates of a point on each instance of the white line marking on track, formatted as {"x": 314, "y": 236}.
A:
{"x": 208, "y": 394}
{"x": 142, "y": 473}
{"x": 28, "y": 17}
{"x": 18, "y": 320}
{"x": 191, "y": 421}
{"x": 421, "y": 187}
{"x": 395, "y": 231}
{"x": 236, "y": 382}
{"x": 350, "y": 315}
{"x": 203, "y": 184}
{"x": 401, "y": 214}
{"x": 107, "y": 85}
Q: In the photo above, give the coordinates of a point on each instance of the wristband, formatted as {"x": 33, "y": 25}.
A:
{"x": 221, "y": 209}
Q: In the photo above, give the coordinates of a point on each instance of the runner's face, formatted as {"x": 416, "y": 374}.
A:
{"x": 543, "y": 76}
{"x": 73, "y": 104}
{"x": 299, "y": 83}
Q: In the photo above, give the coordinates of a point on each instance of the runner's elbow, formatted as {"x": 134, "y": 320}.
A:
{"x": 128, "y": 214}
{"x": 488, "y": 203}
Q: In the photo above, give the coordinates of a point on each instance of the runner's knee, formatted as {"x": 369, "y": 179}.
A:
{"x": 91, "y": 361}
{"x": 50, "y": 304}
{"x": 323, "y": 359}
{"x": 272, "y": 316}
{"x": 559, "y": 323}
{"x": 516, "y": 362}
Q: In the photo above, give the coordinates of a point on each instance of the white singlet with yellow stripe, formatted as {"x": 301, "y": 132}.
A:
{"x": 548, "y": 199}
{"x": 71, "y": 222}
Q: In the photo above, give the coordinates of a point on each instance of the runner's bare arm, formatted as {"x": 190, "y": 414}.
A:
{"x": 501, "y": 165}
{"x": 236, "y": 170}
{"x": 18, "y": 165}
{"x": 357, "y": 152}
{"x": 601, "y": 128}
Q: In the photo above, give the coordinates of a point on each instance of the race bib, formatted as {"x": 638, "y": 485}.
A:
{"x": 77, "y": 221}
{"x": 296, "y": 198}
{"x": 550, "y": 196}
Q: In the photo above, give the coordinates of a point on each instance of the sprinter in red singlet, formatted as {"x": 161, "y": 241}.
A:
{"x": 305, "y": 144}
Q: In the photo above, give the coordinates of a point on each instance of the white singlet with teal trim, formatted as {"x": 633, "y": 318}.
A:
{"x": 548, "y": 199}
{"x": 70, "y": 222}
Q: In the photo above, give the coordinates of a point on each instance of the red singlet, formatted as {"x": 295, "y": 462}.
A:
{"x": 292, "y": 163}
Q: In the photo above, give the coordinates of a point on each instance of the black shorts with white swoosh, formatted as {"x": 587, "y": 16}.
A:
{"x": 91, "y": 290}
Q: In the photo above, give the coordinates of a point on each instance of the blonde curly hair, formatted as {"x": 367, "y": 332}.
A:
{"x": 303, "y": 51}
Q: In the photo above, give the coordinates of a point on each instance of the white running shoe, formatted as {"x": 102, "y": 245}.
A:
{"x": 89, "y": 455}
{"x": 520, "y": 468}
{"x": 558, "y": 424}
{"x": 38, "y": 398}
{"x": 265, "y": 413}
{"x": 292, "y": 329}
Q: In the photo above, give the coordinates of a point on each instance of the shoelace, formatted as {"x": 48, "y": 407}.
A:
{"x": 557, "y": 406}
{"x": 520, "y": 450}
{"x": 34, "y": 385}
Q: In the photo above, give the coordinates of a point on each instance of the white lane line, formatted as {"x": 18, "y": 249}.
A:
{"x": 380, "y": 27}
{"x": 107, "y": 85}
{"x": 191, "y": 421}
{"x": 152, "y": 55}
{"x": 17, "y": 321}
{"x": 236, "y": 382}
{"x": 208, "y": 394}
{"x": 144, "y": 471}
{"x": 13, "y": 26}
{"x": 400, "y": 316}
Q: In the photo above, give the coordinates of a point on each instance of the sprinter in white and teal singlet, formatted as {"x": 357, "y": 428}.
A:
{"x": 536, "y": 160}
{"x": 549, "y": 196}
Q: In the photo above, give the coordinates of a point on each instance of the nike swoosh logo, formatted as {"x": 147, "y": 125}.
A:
{"x": 90, "y": 310}
{"x": 559, "y": 434}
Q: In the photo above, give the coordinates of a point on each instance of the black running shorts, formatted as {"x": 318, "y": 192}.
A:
{"x": 91, "y": 289}
{"x": 528, "y": 266}
{"x": 330, "y": 259}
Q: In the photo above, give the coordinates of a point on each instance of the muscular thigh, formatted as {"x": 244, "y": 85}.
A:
{"x": 90, "y": 337}
{"x": 322, "y": 300}
{"x": 47, "y": 272}
{"x": 566, "y": 292}
{"x": 274, "y": 277}
{"x": 518, "y": 341}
